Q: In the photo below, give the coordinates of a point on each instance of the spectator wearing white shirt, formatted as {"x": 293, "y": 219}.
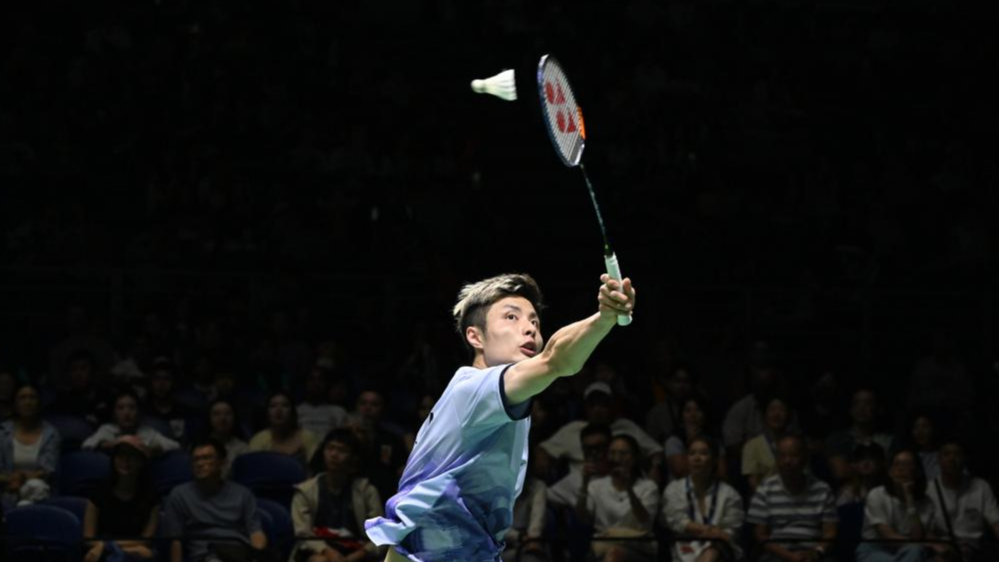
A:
{"x": 900, "y": 511}
{"x": 621, "y": 505}
{"x": 597, "y": 402}
{"x": 315, "y": 412}
{"x": 702, "y": 505}
{"x": 965, "y": 505}
{"x": 127, "y": 421}
{"x": 595, "y": 440}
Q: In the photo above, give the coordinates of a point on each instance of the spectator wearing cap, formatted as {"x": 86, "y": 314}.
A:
{"x": 565, "y": 444}
{"x": 793, "y": 512}
{"x": 862, "y": 431}
{"x": 126, "y": 421}
{"x": 965, "y": 504}
{"x": 123, "y": 513}
{"x": 214, "y": 518}
{"x": 759, "y": 454}
{"x": 29, "y": 449}
{"x": 867, "y": 471}
{"x": 162, "y": 403}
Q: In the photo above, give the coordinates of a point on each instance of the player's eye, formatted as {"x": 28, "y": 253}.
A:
{"x": 536, "y": 323}
{"x": 511, "y": 316}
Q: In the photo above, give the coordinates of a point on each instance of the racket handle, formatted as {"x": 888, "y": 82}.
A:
{"x": 614, "y": 270}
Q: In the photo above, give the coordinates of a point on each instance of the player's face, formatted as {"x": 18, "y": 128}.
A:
{"x": 513, "y": 332}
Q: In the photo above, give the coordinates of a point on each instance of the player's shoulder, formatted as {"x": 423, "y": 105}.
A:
{"x": 474, "y": 374}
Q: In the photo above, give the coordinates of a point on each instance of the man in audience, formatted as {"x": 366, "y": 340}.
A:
{"x": 594, "y": 438}
{"x": 665, "y": 417}
{"x": 315, "y": 413}
{"x": 862, "y": 431}
{"x": 566, "y": 444}
{"x": 795, "y": 506}
{"x": 217, "y": 518}
{"x": 965, "y": 505}
{"x": 387, "y": 442}
{"x": 83, "y": 397}
{"x": 162, "y": 403}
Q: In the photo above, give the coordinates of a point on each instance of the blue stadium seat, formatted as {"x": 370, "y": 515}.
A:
{"x": 279, "y": 529}
{"x": 160, "y": 425}
{"x": 43, "y": 533}
{"x": 74, "y": 504}
{"x": 73, "y": 430}
{"x": 170, "y": 470}
{"x": 80, "y": 472}
{"x": 269, "y": 475}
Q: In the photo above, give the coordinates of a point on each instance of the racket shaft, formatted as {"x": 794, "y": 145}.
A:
{"x": 614, "y": 270}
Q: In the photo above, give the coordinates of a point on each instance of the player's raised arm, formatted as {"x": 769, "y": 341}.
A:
{"x": 569, "y": 348}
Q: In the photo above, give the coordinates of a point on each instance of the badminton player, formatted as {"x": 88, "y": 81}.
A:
{"x": 456, "y": 496}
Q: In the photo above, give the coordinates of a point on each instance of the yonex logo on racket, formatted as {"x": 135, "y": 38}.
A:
{"x": 564, "y": 119}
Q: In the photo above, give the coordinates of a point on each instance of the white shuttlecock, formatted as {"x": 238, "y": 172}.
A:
{"x": 503, "y": 85}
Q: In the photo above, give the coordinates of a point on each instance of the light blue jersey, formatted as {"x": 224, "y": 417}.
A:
{"x": 456, "y": 496}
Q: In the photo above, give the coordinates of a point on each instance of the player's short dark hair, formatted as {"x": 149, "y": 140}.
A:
{"x": 475, "y": 299}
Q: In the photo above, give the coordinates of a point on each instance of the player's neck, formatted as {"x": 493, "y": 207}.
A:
{"x": 480, "y": 361}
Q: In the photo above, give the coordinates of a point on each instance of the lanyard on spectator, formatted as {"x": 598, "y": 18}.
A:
{"x": 711, "y": 509}
{"x": 946, "y": 510}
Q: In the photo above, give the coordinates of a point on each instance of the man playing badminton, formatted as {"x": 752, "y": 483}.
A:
{"x": 456, "y": 496}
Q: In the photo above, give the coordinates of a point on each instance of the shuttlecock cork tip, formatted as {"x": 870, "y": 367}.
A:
{"x": 478, "y": 86}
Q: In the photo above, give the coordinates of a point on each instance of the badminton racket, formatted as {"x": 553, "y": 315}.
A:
{"x": 564, "y": 121}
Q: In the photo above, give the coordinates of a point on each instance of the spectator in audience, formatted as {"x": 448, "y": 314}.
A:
{"x": 867, "y": 471}
{"x": 694, "y": 424}
{"x": 900, "y": 510}
{"x": 423, "y": 408}
{"x": 124, "y": 508}
{"x": 283, "y": 434}
{"x": 621, "y": 505}
{"x": 83, "y": 397}
{"x": 217, "y": 519}
{"x": 702, "y": 505}
{"x": 862, "y": 431}
{"x": 388, "y": 438}
{"x": 224, "y": 428}
{"x": 8, "y": 384}
{"x": 29, "y": 450}
{"x": 824, "y": 411}
{"x": 665, "y": 418}
{"x": 923, "y": 440}
{"x": 315, "y": 412}
{"x": 965, "y": 504}
{"x": 335, "y": 503}
{"x": 595, "y": 440}
{"x": 744, "y": 419}
{"x": 759, "y": 454}
{"x": 566, "y": 444}
{"x": 529, "y": 513}
{"x": 126, "y": 421}
{"x": 380, "y": 474}
{"x": 161, "y": 401}
{"x": 793, "y": 505}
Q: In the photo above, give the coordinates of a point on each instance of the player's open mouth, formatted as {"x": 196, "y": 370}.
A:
{"x": 528, "y": 350}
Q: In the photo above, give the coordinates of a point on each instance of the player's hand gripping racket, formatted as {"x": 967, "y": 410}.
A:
{"x": 564, "y": 121}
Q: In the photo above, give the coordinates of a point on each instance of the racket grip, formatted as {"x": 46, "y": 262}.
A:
{"x": 614, "y": 270}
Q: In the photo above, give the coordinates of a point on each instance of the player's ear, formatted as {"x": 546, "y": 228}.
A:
{"x": 474, "y": 337}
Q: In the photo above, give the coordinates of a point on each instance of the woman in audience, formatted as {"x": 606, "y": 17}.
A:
{"x": 283, "y": 434}
{"x": 867, "y": 471}
{"x": 621, "y": 505}
{"x": 127, "y": 421}
{"x": 900, "y": 510}
{"x": 759, "y": 459}
{"x": 29, "y": 450}
{"x": 125, "y": 506}
{"x": 694, "y": 423}
{"x": 335, "y": 504}
{"x": 223, "y": 426}
{"x": 701, "y": 505}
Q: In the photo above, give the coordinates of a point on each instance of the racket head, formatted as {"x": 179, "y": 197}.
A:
{"x": 562, "y": 115}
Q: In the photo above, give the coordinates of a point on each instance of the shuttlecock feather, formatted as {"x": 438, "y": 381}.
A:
{"x": 503, "y": 86}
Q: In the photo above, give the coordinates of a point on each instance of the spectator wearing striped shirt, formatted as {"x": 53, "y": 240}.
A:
{"x": 795, "y": 506}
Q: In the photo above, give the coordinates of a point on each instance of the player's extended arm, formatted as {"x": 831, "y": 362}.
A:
{"x": 569, "y": 348}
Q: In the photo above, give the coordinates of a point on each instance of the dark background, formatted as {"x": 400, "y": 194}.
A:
{"x": 819, "y": 175}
